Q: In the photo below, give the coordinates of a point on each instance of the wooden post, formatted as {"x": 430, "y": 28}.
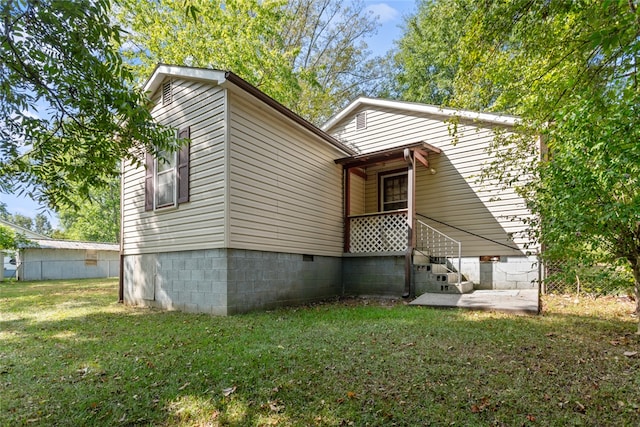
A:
{"x": 411, "y": 189}
{"x": 347, "y": 209}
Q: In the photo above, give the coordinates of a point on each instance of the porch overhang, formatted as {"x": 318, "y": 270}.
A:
{"x": 420, "y": 149}
{"x": 382, "y": 231}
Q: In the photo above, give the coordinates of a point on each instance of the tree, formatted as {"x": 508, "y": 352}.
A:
{"x": 331, "y": 58}
{"x": 308, "y": 55}
{"x": 69, "y": 107}
{"x": 10, "y": 240}
{"x": 42, "y": 225}
{"x": 531, "y": 58}
{"x": 588, "y": 193}
{"x": 240, "y": 35}
{"x": 427, "y": 57}
{"x": 22, "y": 221}
{"x": 7, "y": 238}
{"x": 4, "y": 212}
{"x": 95, "y": 219}
{"x": 570, "y": 70}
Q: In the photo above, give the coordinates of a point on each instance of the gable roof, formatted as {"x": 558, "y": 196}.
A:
{"x": 416, "y": 107}
{"x": 224, "y": 79}
{"x": 24, "y": 231}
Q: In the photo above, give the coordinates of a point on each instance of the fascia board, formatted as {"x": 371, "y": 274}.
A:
{"x": 163, "y": 70}
{"x": 447, "y": 113}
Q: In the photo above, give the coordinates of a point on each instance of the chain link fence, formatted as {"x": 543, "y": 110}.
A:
{"x": 571, "y": 277}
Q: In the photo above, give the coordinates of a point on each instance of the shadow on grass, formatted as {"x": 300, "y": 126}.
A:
{"x": 328, "y": 364}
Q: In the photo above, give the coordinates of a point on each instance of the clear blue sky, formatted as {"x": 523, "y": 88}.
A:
{"x": 391, "y": 15}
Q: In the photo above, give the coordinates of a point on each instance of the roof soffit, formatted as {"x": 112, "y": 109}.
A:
{"x": 421, "y": 148}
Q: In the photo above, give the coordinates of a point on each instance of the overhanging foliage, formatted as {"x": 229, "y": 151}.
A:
{"x": 71, "y": 112}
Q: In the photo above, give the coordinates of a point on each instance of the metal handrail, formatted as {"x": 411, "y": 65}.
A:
{"x": 438, "y": 245}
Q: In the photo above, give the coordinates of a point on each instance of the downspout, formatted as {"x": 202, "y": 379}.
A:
{"x": 408, "y": 262}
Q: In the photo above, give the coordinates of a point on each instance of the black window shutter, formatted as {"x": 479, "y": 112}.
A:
{"x": 183, "y": 166}
{"x": 148, "y": 182}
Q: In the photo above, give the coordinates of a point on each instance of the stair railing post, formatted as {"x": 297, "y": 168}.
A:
{"x": 459, "y": 264}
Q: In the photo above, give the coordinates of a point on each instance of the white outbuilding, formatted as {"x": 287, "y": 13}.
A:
{"x": 48, "y": 259}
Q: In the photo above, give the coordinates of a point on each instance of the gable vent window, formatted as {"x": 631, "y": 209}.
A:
{"x": 167, "y": 93}
{"x": 361, "y": 121}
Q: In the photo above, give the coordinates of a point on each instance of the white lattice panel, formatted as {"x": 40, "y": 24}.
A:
{"x": 379, "y": 233}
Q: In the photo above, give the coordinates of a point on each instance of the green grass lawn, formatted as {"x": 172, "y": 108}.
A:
{"x": 71, "y": 355}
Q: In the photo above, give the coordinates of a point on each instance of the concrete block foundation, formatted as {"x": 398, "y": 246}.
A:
{"x": 509, "y": 272}
{"x": 229, "y": 281}
{"x": 373, "y": 275}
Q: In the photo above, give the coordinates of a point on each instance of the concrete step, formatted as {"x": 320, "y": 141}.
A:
{"x": 450, "y": 288}
{"x": 432, "y": 268}
{"x": 440, "y": 269}
{"x": 442, "y": 278}
{"x": 421, "y": 259}
{"x": 435, "y": 273}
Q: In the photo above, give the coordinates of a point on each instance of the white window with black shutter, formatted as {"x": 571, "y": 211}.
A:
{"x": 167, "y": 176}
{"x": 165, "y": 180}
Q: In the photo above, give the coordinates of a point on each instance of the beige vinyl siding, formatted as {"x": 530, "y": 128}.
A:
{"x": 386, "y": 129}
{"x": 453, "y": 194}
{"x": 372, "y": 197}
{"x": 285, "y": 189}
{"x": 199, "y": 223}
{"x": 357, "y": 202}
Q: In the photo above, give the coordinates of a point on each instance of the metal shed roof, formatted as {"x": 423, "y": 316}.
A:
{"x": 70, "y": 244}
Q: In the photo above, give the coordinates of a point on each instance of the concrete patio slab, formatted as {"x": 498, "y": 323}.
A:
{"x": 521, "y": 301}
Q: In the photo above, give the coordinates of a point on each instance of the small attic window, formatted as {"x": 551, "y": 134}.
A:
{"x": 167, "y": 93}
{"x": 361, "y": 120}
